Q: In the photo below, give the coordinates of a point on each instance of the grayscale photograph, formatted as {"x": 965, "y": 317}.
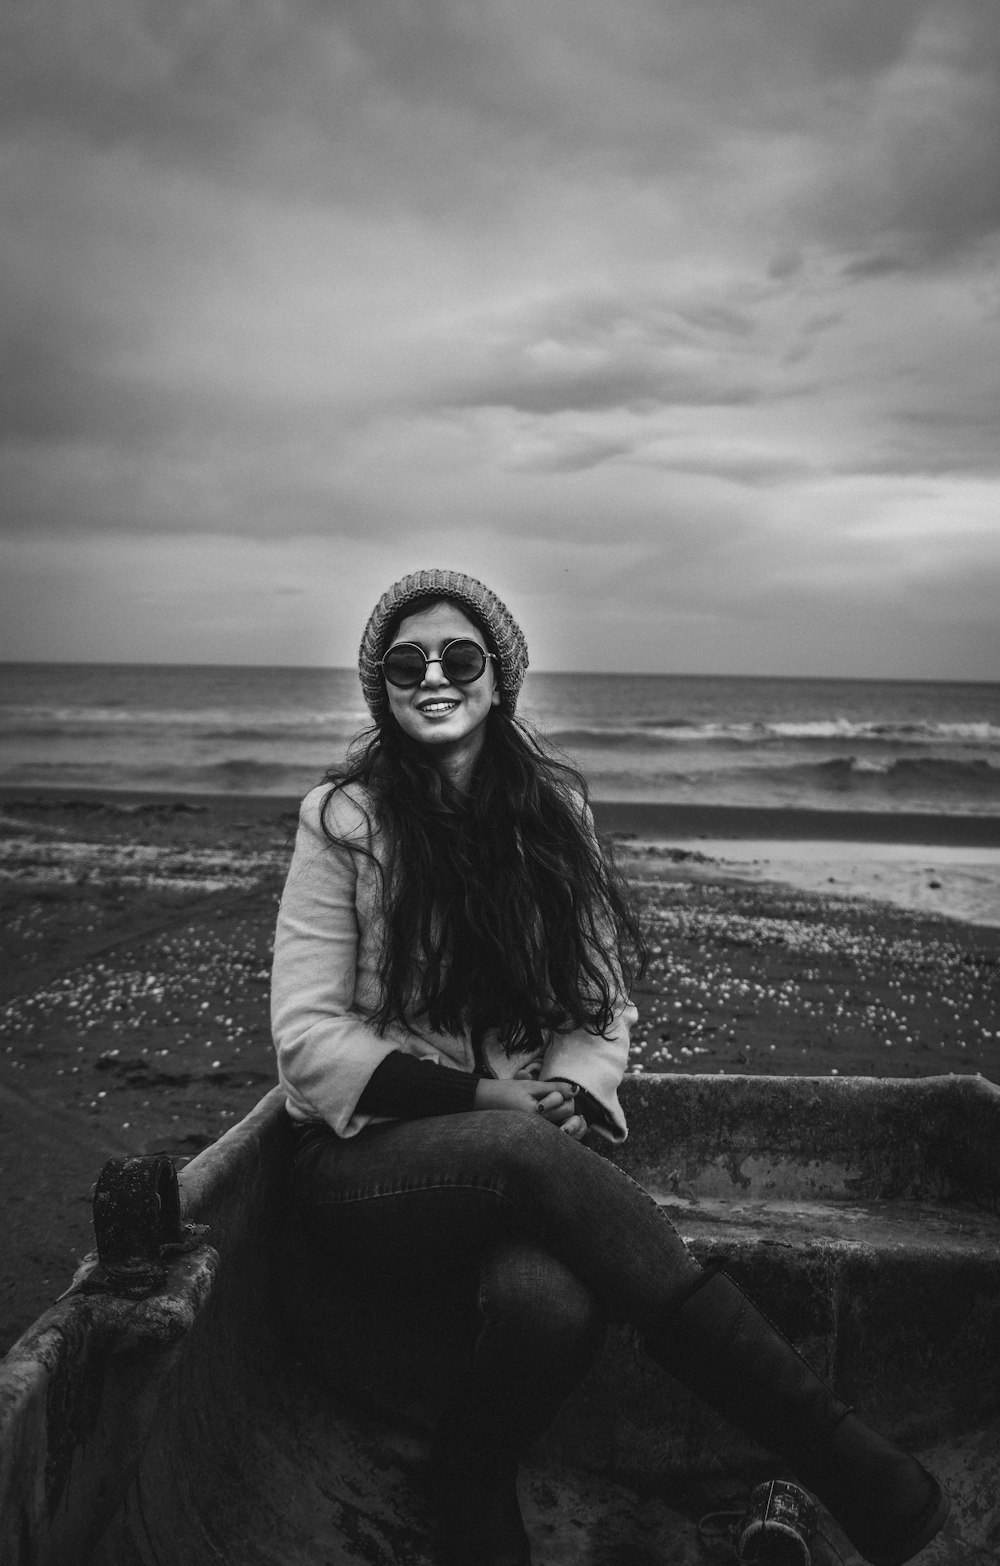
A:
{"x": 500, "y": 783}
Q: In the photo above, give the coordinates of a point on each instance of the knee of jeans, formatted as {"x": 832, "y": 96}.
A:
{"x": 526, "y": 1292}
{"x": 521, "y": 1147}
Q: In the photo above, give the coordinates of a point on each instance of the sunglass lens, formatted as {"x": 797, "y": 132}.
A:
{"x": 404, "y": 666}
{"x": 464, "y": 662}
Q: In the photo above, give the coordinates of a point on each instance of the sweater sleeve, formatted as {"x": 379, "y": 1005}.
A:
{"x": 326, "y": 1048}
{"x": 594, "y": 1113}
{"x": 597, "y": 1063}
{"x": 409, "y": 1089}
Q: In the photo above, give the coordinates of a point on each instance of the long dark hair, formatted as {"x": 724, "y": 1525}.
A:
{"x": 501, "y": 910}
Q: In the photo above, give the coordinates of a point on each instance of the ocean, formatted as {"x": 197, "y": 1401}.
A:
{"x": 848, "y": 745}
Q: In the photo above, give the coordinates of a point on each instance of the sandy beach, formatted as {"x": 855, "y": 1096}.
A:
{"x": 137, "y": 936}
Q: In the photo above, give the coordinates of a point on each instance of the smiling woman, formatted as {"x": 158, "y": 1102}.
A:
{"x": 451, "y": 1008}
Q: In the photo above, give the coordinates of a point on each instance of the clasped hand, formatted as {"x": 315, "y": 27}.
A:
{"x": 551, "y": 1100}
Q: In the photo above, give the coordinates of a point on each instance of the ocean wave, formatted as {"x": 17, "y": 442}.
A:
{"x": 985, "y": 735}
{"x": 218, "y": 724}
{"x": 852, "y": 745}
{"x": 603, "y": 739}
{"x": 229, "y": 776}
{"x": 263, "y": 725}
{"x": 922, "y": 782}
{"x": 939, "y": 785}
{"x": 83, "y": 717}
{"x": 657, "y": 733}
{"x": 940, "y": 771}
{"x": 239, "y": 776}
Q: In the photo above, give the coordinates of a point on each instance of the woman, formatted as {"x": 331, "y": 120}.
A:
{"x": 451, "y": 1015}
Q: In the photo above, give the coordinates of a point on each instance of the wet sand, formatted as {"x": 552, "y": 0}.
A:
{"x": 134, "y": 986}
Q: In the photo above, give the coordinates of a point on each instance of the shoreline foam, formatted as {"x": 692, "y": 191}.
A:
{"x": 952, "y": 882}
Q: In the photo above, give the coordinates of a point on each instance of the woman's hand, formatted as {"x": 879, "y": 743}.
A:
{"x": 548, "y": 1099}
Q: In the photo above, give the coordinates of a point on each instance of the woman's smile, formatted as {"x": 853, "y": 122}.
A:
{"x": 437, "y": 706}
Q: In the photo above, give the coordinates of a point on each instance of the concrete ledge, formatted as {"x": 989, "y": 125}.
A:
{"x": 82, "y": 1390}
{"x": 184, "y": 1430}
{"x": 929, "y": 1139}
{"x": 79, "y": 1393}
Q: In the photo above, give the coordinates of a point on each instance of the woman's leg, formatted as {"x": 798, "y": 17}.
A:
{"x": 539, "y": 1329}
{"x": 383, "y": 1203}
{"x": 465, "y": 1180}
{"x": 421, "y": 1194}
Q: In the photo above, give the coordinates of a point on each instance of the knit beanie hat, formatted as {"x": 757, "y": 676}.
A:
{"x": 504, "y": 633}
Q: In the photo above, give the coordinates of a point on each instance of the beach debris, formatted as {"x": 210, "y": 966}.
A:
{"x": 27, "y": 857}
{"x": 719, "y": 977}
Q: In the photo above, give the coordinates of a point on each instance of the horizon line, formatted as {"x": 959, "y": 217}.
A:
{"x": 633, "y": 674}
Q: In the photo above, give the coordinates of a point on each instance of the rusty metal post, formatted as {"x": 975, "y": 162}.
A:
{"x": 137, "y": 1224}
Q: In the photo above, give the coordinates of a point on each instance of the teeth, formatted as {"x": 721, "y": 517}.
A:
{"x": 438, "y": 706}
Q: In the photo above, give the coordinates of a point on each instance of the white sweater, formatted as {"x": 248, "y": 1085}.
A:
{"x": 325, "y": 989}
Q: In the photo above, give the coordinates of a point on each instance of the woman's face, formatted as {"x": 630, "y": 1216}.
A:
{"x": 450, "y": 718}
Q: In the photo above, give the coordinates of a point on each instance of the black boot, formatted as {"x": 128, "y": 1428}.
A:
{"x": 719, "y": 1346}
{"x": 475, "y": 1492}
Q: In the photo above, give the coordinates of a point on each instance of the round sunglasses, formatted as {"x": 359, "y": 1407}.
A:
{"x": 462, "y": 663}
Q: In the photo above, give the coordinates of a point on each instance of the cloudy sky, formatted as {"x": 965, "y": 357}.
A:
{"x": 678, "y": 321}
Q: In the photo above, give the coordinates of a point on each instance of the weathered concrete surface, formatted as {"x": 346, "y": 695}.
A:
{"x": 78, "y": 1395}
{"x": 922, "y": 1139}
{"x": 82, "y": 1389}
{"x": 187, "y": 1429}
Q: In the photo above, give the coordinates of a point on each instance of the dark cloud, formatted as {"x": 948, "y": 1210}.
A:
{"x": 788, "y": 264}
{"x": 873, "y": 266}
{"x": 638, "y": 387}
{"x": 714, "y": 317}
{"x": 934, "y": 442}
{"x": 178, "y": 78}
{"x": 381, "y": 104}
{"x": 824, "y": 322}
{"x": 752, "y": 471}
{"x": 64, "y": 390}
{"x": 250, "y": 89}
{"x": 595, "y": 354}
{"x": 916, "y": 179}
{"x": 574, "y": 454}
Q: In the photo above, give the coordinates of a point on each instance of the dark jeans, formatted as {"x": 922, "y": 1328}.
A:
{"x": 560, "y": 1236}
